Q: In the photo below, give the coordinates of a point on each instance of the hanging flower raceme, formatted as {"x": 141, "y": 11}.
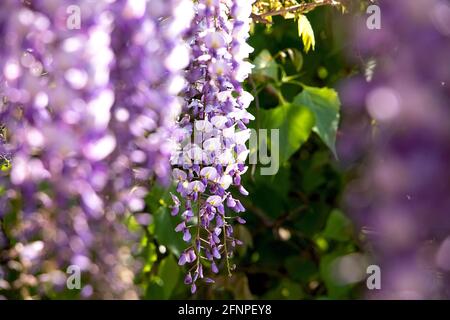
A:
{"x": 147, "y": 76}
{"x": 86, "y": 116}
{"x": 211, "y": 136}
{"x": 56, "y": 111}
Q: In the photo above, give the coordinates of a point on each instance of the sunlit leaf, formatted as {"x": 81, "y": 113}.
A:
{"x": 325, "y": 104}
{"x": 294, "y": 122}
{"x": 296, "y": 58}
{"x": 306, "y": 32}
{"x": 165, "y": 231}
{"x": 335, "y": 290}
{"x": 162, "y": 285}
{"x": 169, "y": 272}
{"x": 338, "y": 227}
{"x": 265, "y": 66}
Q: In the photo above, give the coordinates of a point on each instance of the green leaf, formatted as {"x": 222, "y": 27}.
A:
{"x": 296, "y": 58}
{"x": 312, "y": 220}
{"x": 158, "y": 201}
{"x": 306, "y": 32}
{"x": 241, "y": 288}
{"x": 162, "y": 285}
{"x": 301, "y": 269}
{"x": 325, "y": 104}
{"x": 286, "y": 290}
{"x": 265, "y": 66}
{"x": 338, "y": 227}
{"x": 335, "y": 290}
{"x": 243, "y": 234}
{"x": 165, "y": 231}
{"x": 155, "y": 290}
{"x": 169, "y": 272}
{"x": 150, "y": 255}
{"x": 295, "y": 123}
{"x": 159, "y": 196}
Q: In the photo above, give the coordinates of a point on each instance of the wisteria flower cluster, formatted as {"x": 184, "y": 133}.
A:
{"x": 211, "y": 136}
{"x": 401, "y": 196}
{"x": 87, "y": 114}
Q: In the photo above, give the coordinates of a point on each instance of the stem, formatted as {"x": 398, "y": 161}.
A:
{"x": 198, "y": 233}
{"x": 255, "y": 94}
{"x": 257, "y": 105}
{"x": 4, "y": 253}
{"x": 299, "y": 8}
{"x": 226, "y": 250}
{"x": 281, "y": 97}
{"x": 294, "y": 82}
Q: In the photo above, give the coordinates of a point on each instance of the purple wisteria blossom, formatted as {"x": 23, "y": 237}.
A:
{"x": 147, "y": 76}
{"x": 87, "y": 113}
{"x": 212, "y": 134}
{"x": 401, "y": 195}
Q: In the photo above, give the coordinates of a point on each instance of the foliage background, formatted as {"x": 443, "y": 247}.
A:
{"x": 297, "y": 236}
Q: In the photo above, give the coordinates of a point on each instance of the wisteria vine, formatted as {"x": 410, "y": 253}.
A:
{"x": 87, "y": 114}
{"x": 90, "y": 117}
{"x": 211, "y": 136}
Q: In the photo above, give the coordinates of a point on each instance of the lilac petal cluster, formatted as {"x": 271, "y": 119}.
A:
{"x": 57, "y": 99}
{"x": 148, "y": 76}
{"x": 401, "y": 196}
{"x": 211, "y": 152}
{"x": 87, "y": 113}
